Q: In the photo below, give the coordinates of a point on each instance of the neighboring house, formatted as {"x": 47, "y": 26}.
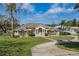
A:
{"x": 75, "y": 28}
{"x": 71, "y": 30}
{"x": 38, "y": 29}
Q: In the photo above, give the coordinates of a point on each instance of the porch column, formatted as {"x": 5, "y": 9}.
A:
{"x": 36, "y": 32}
{"x": 43, "y": 32}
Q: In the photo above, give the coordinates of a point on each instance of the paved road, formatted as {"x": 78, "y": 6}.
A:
{"x": 50, "y": 49}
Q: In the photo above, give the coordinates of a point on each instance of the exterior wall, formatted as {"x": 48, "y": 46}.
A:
{"x": 18, "y": 33}
{"x": 42, "y": 33}
{"x": 26, "y": 34}
{"x": 57, "y": 33}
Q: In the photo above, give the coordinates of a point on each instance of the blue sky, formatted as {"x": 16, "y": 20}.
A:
{"x": 46, "y": 13}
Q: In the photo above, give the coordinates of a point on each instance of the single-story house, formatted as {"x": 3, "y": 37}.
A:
{"x": 38, "y": 29}
{"x": 68, "y": 29}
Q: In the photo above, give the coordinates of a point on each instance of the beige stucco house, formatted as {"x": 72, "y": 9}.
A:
{"x": 41, "y": 30}
{"x": 38, "y": 29}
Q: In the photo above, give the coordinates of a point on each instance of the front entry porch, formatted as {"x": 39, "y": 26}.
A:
{"x": 40, "y": 31}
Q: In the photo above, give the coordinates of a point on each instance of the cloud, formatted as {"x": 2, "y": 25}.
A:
{"x": 70, "y": 9}
{"x": 55, "y": 8}
{"x": 59, "y": 10}
{"x": 49, "y": 15}
{"x": 28, "y": 7}
{"x": 41, "y": 18}
{"x": 55, "y": 5}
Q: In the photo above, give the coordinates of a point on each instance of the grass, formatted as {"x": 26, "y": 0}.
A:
{"x": 18, "y": 46}
{"x": 62, "y": 37}
{"x": 73, "y": 46}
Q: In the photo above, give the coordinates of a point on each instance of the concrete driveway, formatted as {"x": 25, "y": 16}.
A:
{"x": 50, "y": 49}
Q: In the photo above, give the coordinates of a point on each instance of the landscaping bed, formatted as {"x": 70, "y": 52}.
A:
{"x": 73, "y": 46}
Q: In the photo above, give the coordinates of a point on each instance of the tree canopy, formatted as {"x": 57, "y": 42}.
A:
{"x": 70, "y": 23}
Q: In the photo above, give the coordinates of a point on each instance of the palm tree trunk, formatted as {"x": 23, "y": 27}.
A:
{"x": 12, "y": 25}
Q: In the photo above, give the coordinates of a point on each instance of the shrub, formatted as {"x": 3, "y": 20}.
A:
{"x": 30, "y": 33}
{"x": 1, "y": 33}
{"x": 16, "y": 36}
{"x": 46, "y": 34}
{"x": 61, "y": 33}
{"x": 65, "y": 33}
{"x": 78, "y": 32}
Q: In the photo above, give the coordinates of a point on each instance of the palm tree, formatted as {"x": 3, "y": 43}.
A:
{"x": 11, "y": 8}
{"x": 76, "y": 5}
{"x": 62, "y": 23}
{"x": 74, "y": 22}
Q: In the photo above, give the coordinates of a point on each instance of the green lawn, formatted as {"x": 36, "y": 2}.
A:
{"x": 73, "y": 46}
{"x": 62, "y": 37}
{"x": 18, "y": 46}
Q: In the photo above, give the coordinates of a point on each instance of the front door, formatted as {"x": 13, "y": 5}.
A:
{"x": 40, "y": 32}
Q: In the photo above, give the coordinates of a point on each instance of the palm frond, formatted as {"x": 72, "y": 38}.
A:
{"x": 76, "y": 5}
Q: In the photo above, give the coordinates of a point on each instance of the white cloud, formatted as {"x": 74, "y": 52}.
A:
{"x": 59, "y": 9}
{"x": 28, "y": 7}
{"x": 55, "y": 5}
{"x": 38, "y": 18}
{"x": 50, "y": 14}
{"x": 70, "y": 9}
{"x": 56, "y": 9}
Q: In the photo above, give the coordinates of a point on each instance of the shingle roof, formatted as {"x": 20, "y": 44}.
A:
{"x": 30, "y": 26}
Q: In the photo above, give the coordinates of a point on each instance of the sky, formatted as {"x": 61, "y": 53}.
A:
{"x": 46, "y": 13}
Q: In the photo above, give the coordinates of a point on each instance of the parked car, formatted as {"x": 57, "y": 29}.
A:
{"x": 67, "y": 33}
